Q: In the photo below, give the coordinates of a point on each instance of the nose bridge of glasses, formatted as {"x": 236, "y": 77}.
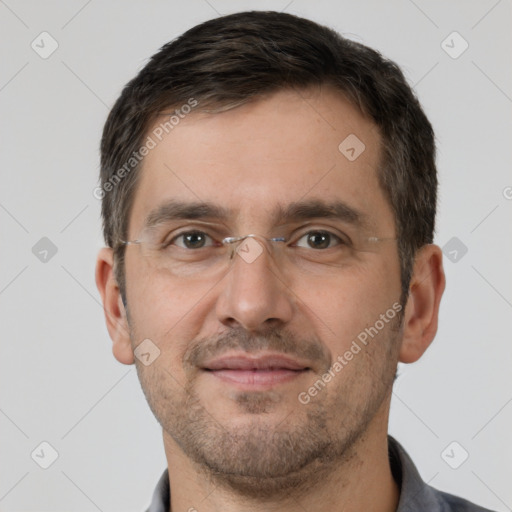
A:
{"x": 248, "y": 247}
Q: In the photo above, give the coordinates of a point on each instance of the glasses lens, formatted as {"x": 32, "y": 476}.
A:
{"x": 202, "y": 253}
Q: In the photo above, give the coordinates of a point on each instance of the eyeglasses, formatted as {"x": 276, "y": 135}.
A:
{"x": 204, "y": 252}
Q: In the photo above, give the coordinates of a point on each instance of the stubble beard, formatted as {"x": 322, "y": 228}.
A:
{"x": 266, "y": 460}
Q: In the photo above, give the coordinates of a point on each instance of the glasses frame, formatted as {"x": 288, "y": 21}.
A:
{"x": 229, "y": 240}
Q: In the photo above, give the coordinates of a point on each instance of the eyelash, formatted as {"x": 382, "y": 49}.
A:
{"x": 339, "y": 239}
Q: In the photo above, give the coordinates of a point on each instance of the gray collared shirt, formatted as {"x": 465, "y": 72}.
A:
{"x": 415, "y": 494}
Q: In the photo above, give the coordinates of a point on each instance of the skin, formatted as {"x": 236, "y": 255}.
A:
{"x": 232, "y": 449}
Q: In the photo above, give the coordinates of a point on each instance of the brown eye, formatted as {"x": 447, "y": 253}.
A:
{"x": 319, "y": 240}
{"x": 192, "y": 240}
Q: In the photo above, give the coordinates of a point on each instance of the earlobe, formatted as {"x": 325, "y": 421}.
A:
{"x": 113, "y": 307}
{"x": 422, "y": 308}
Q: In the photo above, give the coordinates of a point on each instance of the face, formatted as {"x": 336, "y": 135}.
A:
{"x": 270, "y": 367}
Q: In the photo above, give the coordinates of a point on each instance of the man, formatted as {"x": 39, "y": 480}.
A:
{"x": 269, "y": 198}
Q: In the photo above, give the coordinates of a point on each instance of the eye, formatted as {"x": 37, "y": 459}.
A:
{"x": 191, "y": 240}
{"x": 319, "y": 240}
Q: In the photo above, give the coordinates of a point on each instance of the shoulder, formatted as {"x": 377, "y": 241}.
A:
{"x": 415, "y": 494}
{"x": 453, "y": 503}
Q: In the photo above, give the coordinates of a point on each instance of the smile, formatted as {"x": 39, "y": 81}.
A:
{"x": 260, "y": 372}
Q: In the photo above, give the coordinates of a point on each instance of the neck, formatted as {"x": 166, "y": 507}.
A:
{"x": 362, "y": 480}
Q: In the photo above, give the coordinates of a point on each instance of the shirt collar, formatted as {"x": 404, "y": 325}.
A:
{"x": 415, "y": 494}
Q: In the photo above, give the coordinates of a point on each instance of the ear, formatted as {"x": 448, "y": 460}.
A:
{"x": 422, "y": 307}
{"x": 113, "y": 307}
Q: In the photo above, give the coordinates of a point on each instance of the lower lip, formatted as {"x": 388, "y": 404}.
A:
{"x": 257, "y": 378}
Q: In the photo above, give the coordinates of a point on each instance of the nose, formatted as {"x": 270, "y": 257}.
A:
{"x": 254, "y": 294}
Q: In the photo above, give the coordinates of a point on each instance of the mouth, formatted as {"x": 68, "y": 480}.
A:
{"x": 256, "y": 372}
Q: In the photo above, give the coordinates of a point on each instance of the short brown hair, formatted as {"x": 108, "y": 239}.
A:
{"x": 231, "y": 60}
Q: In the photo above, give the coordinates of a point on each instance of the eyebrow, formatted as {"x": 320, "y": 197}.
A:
{"x": 293, "y": 212}
{"x": 317, "y": 208}
{"x": 175, "y": 210}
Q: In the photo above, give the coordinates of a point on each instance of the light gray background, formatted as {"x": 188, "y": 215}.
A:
{"x": 59, "y": 380}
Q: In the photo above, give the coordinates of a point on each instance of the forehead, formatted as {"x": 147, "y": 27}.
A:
{"x": 286, "y": 148}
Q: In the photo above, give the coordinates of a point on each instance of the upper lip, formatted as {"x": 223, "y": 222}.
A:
{"x": 255, "y": 362}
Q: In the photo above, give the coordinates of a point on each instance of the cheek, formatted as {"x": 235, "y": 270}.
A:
{"x": 344, "y": 305}
{"x": 167, "y": 314}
